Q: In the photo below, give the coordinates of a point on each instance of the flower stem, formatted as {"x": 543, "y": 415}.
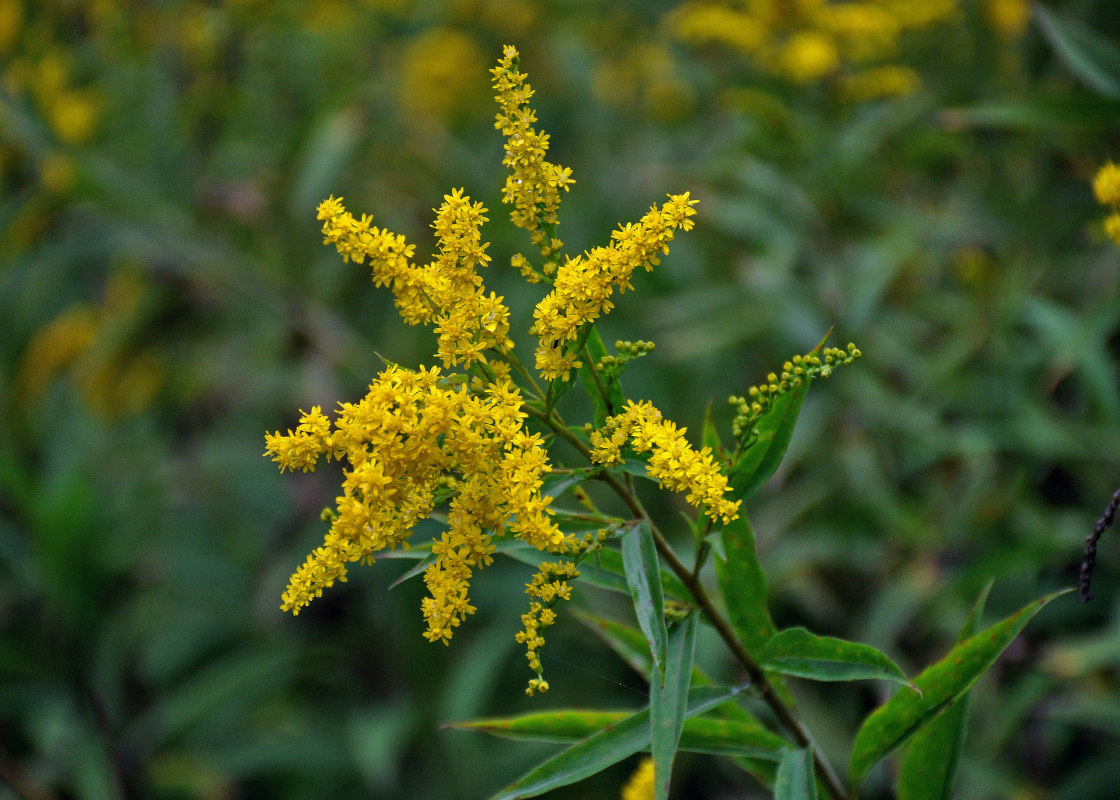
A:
{"x": 691, "y": 580}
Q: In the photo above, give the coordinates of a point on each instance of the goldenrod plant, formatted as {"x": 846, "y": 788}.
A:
{"x": 483, "y": 443}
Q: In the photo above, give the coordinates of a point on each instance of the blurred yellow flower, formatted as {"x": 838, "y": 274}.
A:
{"x": 1009, "y": 18}
{"x": 640, "y": 786}
{"x": 73, "y": 115}
{"x": 808, "y": 56}
{"x": 887, "y": 81}
{"x": 1106, "y": 184}
{"x": 810, "y": 40}
{"x": 1106, "y": 187}
{"x": 11, "y": 22}
{"x": 440, "y": 72}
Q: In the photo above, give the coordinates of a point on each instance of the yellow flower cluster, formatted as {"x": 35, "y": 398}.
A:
{"x": 422, "y": 438}
{"x": 583, "y": 287}
{"x": 548, "y": 586}
{"x": 640, "y": 786}
{"x": 534, "y": 185}
{"x": 673, "y": 462}
{"x": 448, "y": 291}
{"x": 810, "y": 40}
{"x": 411, "y": 430}
{"x": 1106, "y": 186}
{"x": 761, "y": 398}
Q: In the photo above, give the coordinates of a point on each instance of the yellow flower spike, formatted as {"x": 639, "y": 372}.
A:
{"x": 547, "y": 586}
{"x": 448, "y": 292}
{"x": 534, "y": 186}
{"x": 673, "y": 463}
{"x": 584, "y": 285}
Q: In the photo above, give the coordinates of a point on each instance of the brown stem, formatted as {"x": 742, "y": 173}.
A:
{"x": 691, "y": 579}
{"x": 758, "y": 677}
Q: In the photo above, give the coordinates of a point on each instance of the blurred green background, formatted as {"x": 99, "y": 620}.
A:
{"x": 918, "y": 176}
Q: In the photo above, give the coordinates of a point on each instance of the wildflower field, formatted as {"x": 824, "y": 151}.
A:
{"x": 462, "y": 399}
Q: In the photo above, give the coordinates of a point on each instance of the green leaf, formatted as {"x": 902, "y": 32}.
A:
{"x": 772, "y": 434}
{"x": 1076, "y": 110}
{"x": 722, "y": 737}
{"x": 798, "y": 652}
{"x": 938, "y": 687}
{"x": 731, "y": 737}
{"x": 795, "y": 779}
{"x": 743, "y": 585}
{"x": 609, "y": 573}
{"x": 930, "y": 766}
{"x": 593, "y": 381}
{"x": 609, "y": 746}
{"x": 1090, "y": 56}
{"x": 667, "y": 703}
{"x": 761, "y": 459}
{"x": 709, "y": 435}
{"x": 563, "y": 725}
{"x": 627, "y": 643}
{"x": 643, "y": 576}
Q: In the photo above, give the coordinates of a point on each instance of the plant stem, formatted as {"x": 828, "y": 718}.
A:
{"x": 691, "y": 579}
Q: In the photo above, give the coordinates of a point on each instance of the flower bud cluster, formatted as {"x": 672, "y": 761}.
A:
{"x": 627, "y": 351}
{"x": 760, "y": 399}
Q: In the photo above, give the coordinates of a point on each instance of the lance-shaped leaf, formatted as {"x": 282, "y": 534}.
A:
{"x": 795, "y": 780}
{"x": 798, "y": 652}
{"x": 607, "y": 571}
{"x": 743, "y": 585}
{"x": 609, "y": 746}
{"x": 709, "y": 436}
{"x": 627, "y": 643}
{"x": 643, "y": 576}
{"x": 938, "y": 687}
{"x": 930, "y": 766}
{"x": 606, "y": 398}
{"x": 1089, "y": 56}
{"x": 760, "y": 460}
{"x": 723, "y": 737}
{"x": 771, "y": 440}
{"x": 667, "y": 703}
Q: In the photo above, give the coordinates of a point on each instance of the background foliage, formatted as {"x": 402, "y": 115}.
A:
{"x": 164, "y": 298}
